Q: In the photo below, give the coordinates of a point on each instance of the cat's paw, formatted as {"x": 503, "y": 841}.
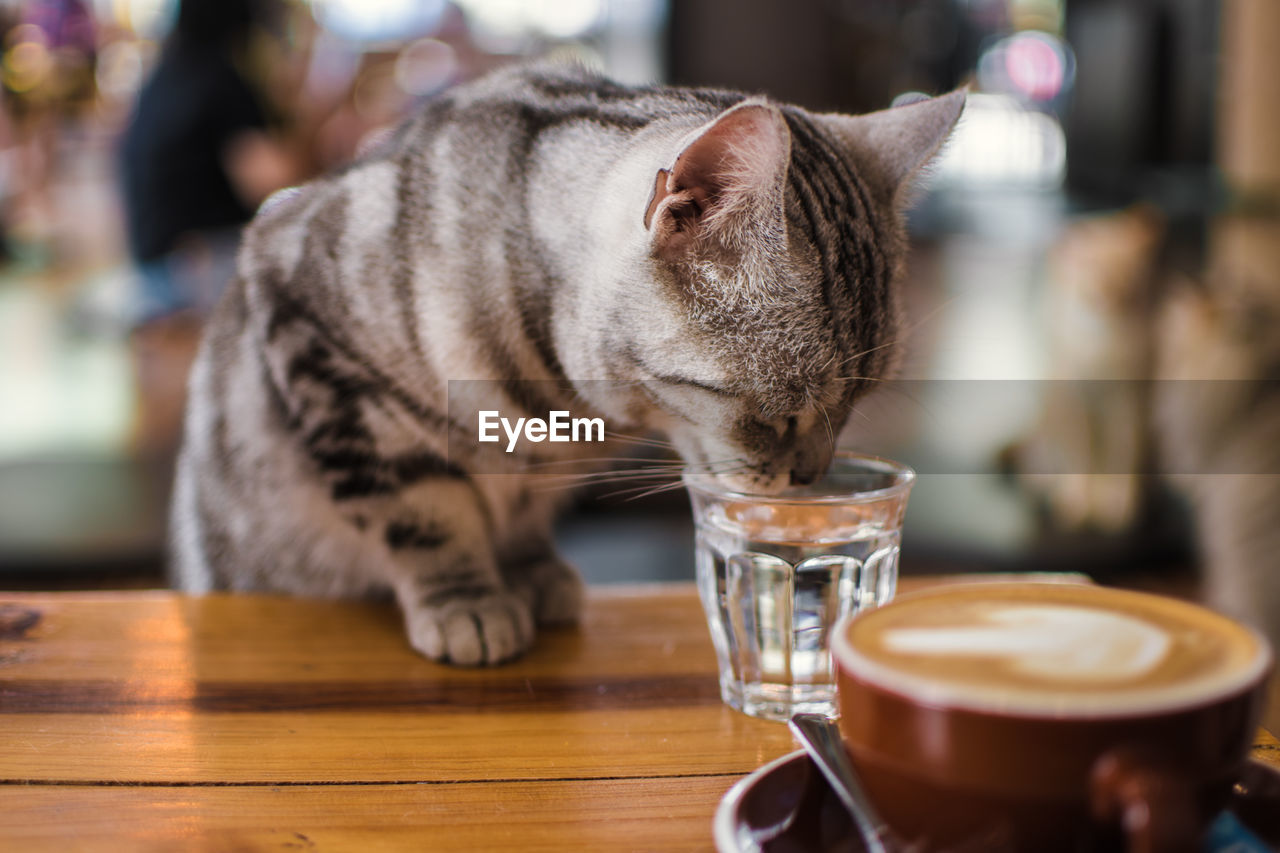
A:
{"x": 474, "y": 632}
{"x": 552, "y": 587}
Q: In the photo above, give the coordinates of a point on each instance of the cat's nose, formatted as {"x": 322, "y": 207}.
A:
{"x": 803, "y": 477}
{"x": 813, "y": 457}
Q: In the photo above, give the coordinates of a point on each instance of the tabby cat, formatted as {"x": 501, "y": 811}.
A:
{"x": 1217, "y": 419}
{"x": 726, "y": 262}
{"x": 1169, "y": 373}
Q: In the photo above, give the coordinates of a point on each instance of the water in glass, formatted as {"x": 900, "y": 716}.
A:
{"x": 771, "y": 598}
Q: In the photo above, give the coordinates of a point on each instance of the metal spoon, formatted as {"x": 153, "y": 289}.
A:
{"x": 821, "y": 739}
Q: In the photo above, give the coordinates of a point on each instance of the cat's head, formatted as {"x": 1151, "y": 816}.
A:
{"x": 762, "y": 304}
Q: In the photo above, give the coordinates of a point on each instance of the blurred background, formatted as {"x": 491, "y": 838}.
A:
{"x": 1095, "y": 262}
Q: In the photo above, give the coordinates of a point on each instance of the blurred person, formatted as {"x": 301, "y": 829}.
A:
{"x": 197, "y": 158}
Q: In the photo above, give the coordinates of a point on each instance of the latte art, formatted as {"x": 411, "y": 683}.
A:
{"x": 1059, "y": 643}
{"x": 1050, "y": 648}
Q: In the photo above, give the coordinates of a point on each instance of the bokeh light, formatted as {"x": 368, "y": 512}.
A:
{"x": 121, "y": 65}
{"x": 1033, "y": 65}
{"x": 500, "y": 23}
{"x": 425, "y": 67}
{"x": 378, "y": 20}
{"x": 1001, "y": 142}
{"x": 1036, "y": 65}
{"x": 27, "y": 60}
{"x": 565, "y": 18}
{"x": 147, "y": 18}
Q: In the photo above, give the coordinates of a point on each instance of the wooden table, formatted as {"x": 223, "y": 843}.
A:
{"x": 150, "y": 721}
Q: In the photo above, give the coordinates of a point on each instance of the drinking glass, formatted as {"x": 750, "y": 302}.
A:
{"x": 776, "y": 572}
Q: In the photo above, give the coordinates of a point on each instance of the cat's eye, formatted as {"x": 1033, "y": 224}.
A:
{"x": 709, "y": 387}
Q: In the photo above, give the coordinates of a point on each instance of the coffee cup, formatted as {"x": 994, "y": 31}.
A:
{"x": 1045, "y": 716}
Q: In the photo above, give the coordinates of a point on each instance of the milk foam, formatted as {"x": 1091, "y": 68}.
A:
{"x": 1050, "y": 649}
{"x": 1076, "y": 644}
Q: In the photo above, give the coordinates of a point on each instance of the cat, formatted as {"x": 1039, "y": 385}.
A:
{"x": 1089, "y": 452}
{"x": 727, "y": 263}
{"x": 1173, "y": 385}
{"x": 1217, "y": 419}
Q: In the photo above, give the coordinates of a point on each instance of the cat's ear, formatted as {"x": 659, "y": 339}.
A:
{"x": 893, "y": 145}
{"x": 728, "y": 170}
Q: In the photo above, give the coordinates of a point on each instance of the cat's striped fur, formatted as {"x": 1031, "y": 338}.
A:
{"x": 725, "y": 262}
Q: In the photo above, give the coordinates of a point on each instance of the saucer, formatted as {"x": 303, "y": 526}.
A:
{"x": 787, "y": 806}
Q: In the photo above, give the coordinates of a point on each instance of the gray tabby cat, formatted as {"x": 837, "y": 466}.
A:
{"x": 727, "y": 262}
{"x": 1217, "y": 418}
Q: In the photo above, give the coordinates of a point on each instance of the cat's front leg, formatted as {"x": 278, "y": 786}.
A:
{"x": 444, "y": 572}
{"x": 458, "y": 610}
{"x": 530, "y": 564}
{"x": 552, "y": 588}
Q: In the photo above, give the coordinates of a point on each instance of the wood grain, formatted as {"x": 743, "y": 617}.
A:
{"x": 628, "y": 814}
{"x": 271, "y": 748}
{"x": 224, "y": 638}
{"x": 150, "y": 721}
{"x": 654, "y": 629}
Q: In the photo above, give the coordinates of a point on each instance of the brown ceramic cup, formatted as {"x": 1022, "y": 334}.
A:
{"x": 1014, "y": 716}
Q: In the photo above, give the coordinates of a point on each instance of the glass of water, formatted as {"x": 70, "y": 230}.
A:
{"x": 776, "y": 572}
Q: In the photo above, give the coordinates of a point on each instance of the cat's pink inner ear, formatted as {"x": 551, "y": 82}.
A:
{"x": 731, "y": 167}
{"x": 660, "y": 192}
{"x": 739, "y": 157}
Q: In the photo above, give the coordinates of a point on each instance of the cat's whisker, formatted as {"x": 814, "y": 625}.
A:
{"x": 937, "y": 309}
{"x": 637, "y": 465}
{"x": 639, "y": 439}
{"x": 645, "y": 490}
{"x": 719, "y": 467}
{"x": 643, "y": 481}
{"x": 862, "y": 379}
{"x": 906, "y": 333}
{"x": 639, "y": 491}
{"x": 559, "y": 482}
{"x": 548, "y": 488}
{"x": 857, "y": 355}
{"x": 674, "y": 473}
{"x": 656, "y": 491}
{"x": 831, "y": 438}
{"x": 569, "y": 480}
{"x": 590, "y": 460}
{"x": 897, "y": 387}
{"x": 598, "y": 468}
{"x": 604, "y": 481}
{"x": 641, "y": 447}
{"x": 607, "y": 477}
